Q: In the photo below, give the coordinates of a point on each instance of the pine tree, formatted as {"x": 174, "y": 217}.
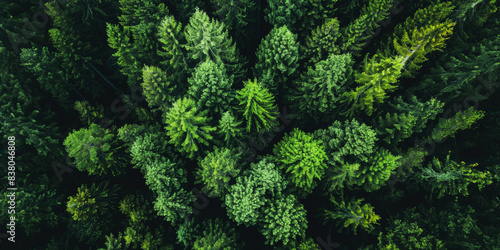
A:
{"x": 337, "y": 178}
{"x": 303, "y": 158}
{"x": 90, "y": 201}
{"x": 277, "y": 59}
{"x": 96, "y": 151}
{"x": 353, "y": 214}
{"x": 211, "y": 87}
{"x": 374, "y": 174}
{"x": 362, "y": 28}
{"x": 136, "y": 38}
{"x": 351, "y": 141}
{"x": 424, "y": 32}
{"x": 236, "y": 15}
{"x": 88, "y": 113}
{"x": 209, "y": 39}
{"x": 315, "y": 13}
{"x": 187, "y": 127}
{"x": 452, "y": 178}
{"x": 157, "y": 88}
{"x": 244, "y": 200}
{"x": 375, "y": 80}
{"x": 257, "y": 106}
{"x": 318, "y": 91}
{"x": 217, "y": 234}
{"x": 396, "y": 127}
{"x": 285, "y": 12}
{"x": 230, "y": 129}
{"x": 322, "y": 42}
{"x": 284, "y": 220}
{"x": 165, "y": 178}
{"x": 172, "y": 50}
{"x": 460, "y": 121}
{"x": 216, "y": 170}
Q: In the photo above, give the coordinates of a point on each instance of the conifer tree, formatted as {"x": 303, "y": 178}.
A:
{"x": 303, "y": 157}
{"x": 96, "y": 151}
{"x": 230, "y": 129}
{"x": 244, "y": 200}
{"x": 217, "y": 234}
{"x": 284, "y": 220}
{"x": 426, "y": 31}
{"x": 285, "y": 12}
{"x": 236, "y": 14}
{"x": 374, "y": 174}
{"x": 216, "y": 170}
{"x": 452, "y": 178}
{"x": 88, "y": 113}
{"x": 357, "y": 32}
{"x": 135, "y": 40}
{"x": 277, "y": 59}
{"x": 209, "y": 39}
{"x": 350, "y": 141}
{"x": 319, "y": 90}
{"x": 316, "y": 12}
{"x": 353, "y": 215}
{"x": 322, "y": 42}
{"x": 157, "y": 88}
{"x": 211, "y": 87}
{"x": 257, "y": 106}
{"x": 90, "y": 201}
{"x": 187, "y": 127}
{"x": 172, "y": 50}
{"x": 460, "y": 121}
{"x": 375, "y": 80}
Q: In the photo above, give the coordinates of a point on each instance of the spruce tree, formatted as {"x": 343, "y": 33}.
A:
{"x": 257, "y": 106}
{"x": 188, "y": 127}
{"x": 277, "y": 59}
{"x": 209, "y": 39}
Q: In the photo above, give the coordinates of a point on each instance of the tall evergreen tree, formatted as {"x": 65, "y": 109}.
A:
{"x": 211, "y": 87}
{"x": 209, "y": 39}
{"x": 257, "y": 106}
{"x": 187, "y": 127}
{"x": 319, "y": 90}
{"x": 277, "y": 59}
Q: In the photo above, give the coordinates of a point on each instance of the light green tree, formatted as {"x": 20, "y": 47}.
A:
{"x": 257, "y": 106}
{"x": 187, "y": 127}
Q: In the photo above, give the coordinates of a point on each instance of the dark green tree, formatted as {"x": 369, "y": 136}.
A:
{"x": 284, "y": 220}
{"x": 348, "y": 142}
{"x": 318, "y": 92}
{"x": 452, "y": 178}
{"x": 353, "y": 214}
{"x": 244, "y": 200}
{"x": 209, "y": 39}
{"x": 172, "y": 50}
{"x": 96, "y": 150}
{"x": 230, "y": 129}
{"x": 322, "y": 42}
{"x": 218, "y": 234}
{"x": 211, "y": 87}
{"x": 277, "y": 59}
{"x": 216, "y": 170}
{"x": 356, "y": 34}
{"x": 375, "y": 173}
{"x": 285, "y": 12}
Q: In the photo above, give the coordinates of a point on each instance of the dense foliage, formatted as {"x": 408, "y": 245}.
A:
{"x": 242, "y": 124}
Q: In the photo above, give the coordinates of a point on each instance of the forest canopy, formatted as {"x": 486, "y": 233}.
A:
{"x": 245, "y": 124}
